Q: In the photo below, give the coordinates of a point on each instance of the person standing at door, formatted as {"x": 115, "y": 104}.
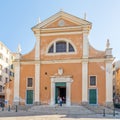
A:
{"x": 60, "y": 101}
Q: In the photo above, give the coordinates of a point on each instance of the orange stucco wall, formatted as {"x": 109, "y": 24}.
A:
{"x": 75, "y": 39}
{"x": 26, "y": 71}
{"x": 74, "y": 69}
{"x": 69, "y": 69}
{"x": 96, "y": 70}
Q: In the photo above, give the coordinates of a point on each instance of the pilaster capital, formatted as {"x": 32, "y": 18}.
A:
{"x": 85, "y": 60}
{"x": 85, "y": 33}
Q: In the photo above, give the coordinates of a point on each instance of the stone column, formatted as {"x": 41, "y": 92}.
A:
{"x": 84, "y": 82}
{"x": 17, "y": 83}
{"x": 52, "y": 92}
{"x": 109, "y": 84}
{"x": 37, "y": 69}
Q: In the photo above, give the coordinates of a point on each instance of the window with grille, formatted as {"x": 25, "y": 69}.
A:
{"x": 29, "y": 82}
{"x": 61, "y": 47}
{"x": 92, "y": 80}
{"x": 51, "y": 49}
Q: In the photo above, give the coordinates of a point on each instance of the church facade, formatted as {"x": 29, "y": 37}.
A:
{"x": 64, "y": 64}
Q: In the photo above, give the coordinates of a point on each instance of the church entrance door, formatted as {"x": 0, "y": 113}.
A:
{"x": 60, "y": 90}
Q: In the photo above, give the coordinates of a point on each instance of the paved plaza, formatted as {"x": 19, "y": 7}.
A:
{"x": 59, "y": 117}
{"x": 54, "y": 117}
{"x": 57, "y": 113}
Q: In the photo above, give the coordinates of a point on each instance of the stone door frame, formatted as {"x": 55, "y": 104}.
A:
{"x": 68, "y": 80}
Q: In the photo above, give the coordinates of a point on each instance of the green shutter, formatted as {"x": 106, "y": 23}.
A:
{"x": 92, "y": 96}
{"x": 29, "y": 99}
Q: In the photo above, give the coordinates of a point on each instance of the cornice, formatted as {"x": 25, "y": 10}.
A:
{"x": 60, "y": 61}
{"x": 61, "y": 33}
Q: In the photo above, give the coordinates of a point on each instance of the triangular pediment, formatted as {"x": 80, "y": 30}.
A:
{"x": 60, "y": 22}
{"x": 61, "y": 19}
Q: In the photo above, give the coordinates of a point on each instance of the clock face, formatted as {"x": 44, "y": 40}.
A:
{"x": 61, "y": 23}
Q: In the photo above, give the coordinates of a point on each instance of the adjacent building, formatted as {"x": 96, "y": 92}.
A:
{"x": 116, "y": 81}
{"x": 6, "y": 69}
{"x": 63, "y": 63}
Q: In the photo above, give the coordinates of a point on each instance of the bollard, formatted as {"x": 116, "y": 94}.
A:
{"x": 2, "y": 108}
{"x": 103, "y": 112}
{"x": 16, "y": 108}
{"x": 9, "y": 108}
{"x": 114, "y": 112}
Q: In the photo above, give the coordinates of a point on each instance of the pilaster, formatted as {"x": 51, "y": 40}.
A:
{"x": 52, "y": 93}
{"x": 37, "y": 47}
{"x": 37, "y": 83}
{"x": 37, "y": 69}
{"x": 109, "y": 82}
{"x": 84, "y": 82}
{"x": 85, "y": 45}
{"x": 17, "y": 82}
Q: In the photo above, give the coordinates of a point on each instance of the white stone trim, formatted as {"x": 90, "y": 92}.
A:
{"x": 109, "y": 82}
{"x": 17, "y": 83}
{"x": 68, "y": 80}
{"x": 61, "y": 33}
{"x": 37, "y": 47}
{"x": 85, "y": 46}
{"x": 64, "y": 28}
{"x": 52, "y": 92}
{"x": 37, "y": 83}
{"x": 61, "y": 61}
{"x": 85, "y": 82}
{"x": 54, "y": 47}
{"x": 68, "y": 94}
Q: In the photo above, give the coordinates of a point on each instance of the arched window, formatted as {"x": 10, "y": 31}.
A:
{"x": 61, "y": 47}
{"x": 71, "y": 49}
{"x": 51, "y": 49}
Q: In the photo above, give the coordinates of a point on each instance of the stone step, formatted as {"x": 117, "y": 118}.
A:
{"x": 60, "y": 110}
{"x": 99, "y": 109}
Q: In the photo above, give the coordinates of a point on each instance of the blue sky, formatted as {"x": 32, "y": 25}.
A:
{"x": 17, "y": 17}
